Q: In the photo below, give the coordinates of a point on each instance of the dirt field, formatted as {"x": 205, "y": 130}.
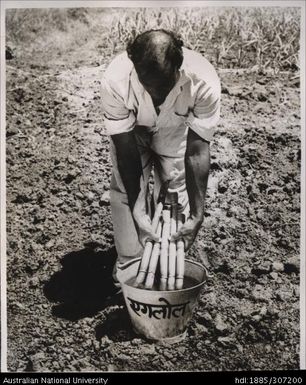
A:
{"x": 61, "y": 315}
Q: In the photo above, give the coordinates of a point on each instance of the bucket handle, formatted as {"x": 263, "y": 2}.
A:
{"x": 128, "y": 263}
{"x": 124, "y": 266}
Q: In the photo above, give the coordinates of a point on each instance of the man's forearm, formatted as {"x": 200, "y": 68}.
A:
{"x": 197, "y": 164}
{"x": 129, "y": 164}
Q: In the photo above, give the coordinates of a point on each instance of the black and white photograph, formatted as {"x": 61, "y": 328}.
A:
{"x": 152, "y": 165}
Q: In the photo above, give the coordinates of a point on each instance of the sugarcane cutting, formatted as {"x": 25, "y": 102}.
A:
{"x": 161, "y": 104}
{"x": 169, "y": 254}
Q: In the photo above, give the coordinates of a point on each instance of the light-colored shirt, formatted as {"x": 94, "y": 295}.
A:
{"x": 194, "y": 100}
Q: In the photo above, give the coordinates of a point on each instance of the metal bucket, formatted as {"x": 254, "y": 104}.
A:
{"x": 161, "y": 315}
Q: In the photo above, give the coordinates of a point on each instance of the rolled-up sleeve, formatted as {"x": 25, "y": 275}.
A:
{"x": 117, "y": 118}
{"x": 205, "y": 115}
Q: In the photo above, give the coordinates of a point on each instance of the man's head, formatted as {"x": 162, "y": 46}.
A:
{"x": 157, "y": 56}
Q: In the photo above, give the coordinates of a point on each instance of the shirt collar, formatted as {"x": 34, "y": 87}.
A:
{"x": 184, "y": 78}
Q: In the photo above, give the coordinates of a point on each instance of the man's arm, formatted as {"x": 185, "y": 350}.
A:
{"x": 129, "y": 164}
{"x": 197, "y": 165}
{"x": 130, "y": 170}
{"x": 202, "y": 122}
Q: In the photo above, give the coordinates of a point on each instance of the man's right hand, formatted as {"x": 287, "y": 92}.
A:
{"x": 130, "y": 169}
{"x": 142, "y": 219}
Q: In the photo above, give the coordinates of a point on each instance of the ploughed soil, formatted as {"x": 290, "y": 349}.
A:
{"x": 62, "y": 314}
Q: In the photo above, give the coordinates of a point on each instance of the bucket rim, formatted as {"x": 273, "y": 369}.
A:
{"x": 127, "y": 264}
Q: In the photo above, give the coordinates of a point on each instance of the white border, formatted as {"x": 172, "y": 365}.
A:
{"x": 147, "y": 3}
{"x": 6, "y": 4}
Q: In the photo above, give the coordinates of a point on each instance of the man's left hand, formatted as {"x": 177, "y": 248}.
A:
{"x": 188, "y": 232}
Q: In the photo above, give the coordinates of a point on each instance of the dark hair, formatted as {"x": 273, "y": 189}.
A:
{"x": 145, "y": 53}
